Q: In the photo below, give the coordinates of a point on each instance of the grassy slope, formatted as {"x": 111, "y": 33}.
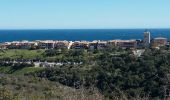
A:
{"x": 16, "y": 53}
{"x": 26, "y": 54}
{"x": 31, "y": 54}
{"x": 6, "y": 70}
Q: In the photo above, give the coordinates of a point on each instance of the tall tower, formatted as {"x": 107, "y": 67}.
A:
{"x": 147, "y": 39}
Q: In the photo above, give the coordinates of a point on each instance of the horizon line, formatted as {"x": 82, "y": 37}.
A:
{"x": 76, "y": 28}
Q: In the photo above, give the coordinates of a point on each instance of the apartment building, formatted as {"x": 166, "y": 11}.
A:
{"x": 127, "y": 43}
{"x": 159, "y": 41}
{"x": 80, "y": 45}
{"x": 61, "y": 44}
{"x": 47, "y": 44}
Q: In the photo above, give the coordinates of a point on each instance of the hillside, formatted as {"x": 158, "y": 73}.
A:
{"x": 31, "y": 88}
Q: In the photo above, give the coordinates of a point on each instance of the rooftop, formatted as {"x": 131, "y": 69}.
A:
{"x": 160, "y": 38}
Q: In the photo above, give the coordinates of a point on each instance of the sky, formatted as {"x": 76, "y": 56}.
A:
{"x": 84, "y": 14}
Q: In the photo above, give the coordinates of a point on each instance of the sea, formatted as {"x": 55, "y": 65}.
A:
{"x": 79, "y": 34}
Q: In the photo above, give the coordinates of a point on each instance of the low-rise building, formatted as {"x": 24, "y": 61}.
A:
{"x": 160, "y": 41}
{"x": 18, "y": 45}
{"x": 26, "y": 44}
{"x": 5, "y": 45}
{"x": 93, "y": 45}
{"x": 80, "y": 45}
{"x": 127, "y": 43}
{"x": 61, "y": 44}
{"x": 47, "y": 44}
{"x": 112, "y": 42}
{"x": 140, "y": 44}
{"x": 102, "y": 45}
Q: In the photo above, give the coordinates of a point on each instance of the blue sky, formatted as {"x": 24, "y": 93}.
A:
{"x": 84, "y": 14}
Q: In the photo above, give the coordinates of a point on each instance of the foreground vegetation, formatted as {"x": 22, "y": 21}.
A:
{"x": 31, "y": 88}
{"x": 113, "y": 73}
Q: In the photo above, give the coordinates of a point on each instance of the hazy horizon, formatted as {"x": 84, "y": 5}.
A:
{"x": 84, "y": 29}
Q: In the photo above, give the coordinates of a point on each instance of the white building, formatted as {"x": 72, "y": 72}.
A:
{"x": 147, "y": 39}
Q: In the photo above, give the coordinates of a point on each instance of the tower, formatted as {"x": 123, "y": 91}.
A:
{"x": 147, "y": 39}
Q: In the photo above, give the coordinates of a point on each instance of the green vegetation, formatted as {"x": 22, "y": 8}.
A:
{"x": 31, "y": 88}
{"x": 23, "y": 71}
{"x": 122, "y": 75}
{"x": 23, "y": 54}
{"x": 112, "y": 73}
{"x": 60, "y": 55}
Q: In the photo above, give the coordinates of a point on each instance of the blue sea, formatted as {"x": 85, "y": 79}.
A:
{"x": 79, "y": 34}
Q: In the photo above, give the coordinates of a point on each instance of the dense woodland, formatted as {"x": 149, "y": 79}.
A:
{"x": 113, "y": 73}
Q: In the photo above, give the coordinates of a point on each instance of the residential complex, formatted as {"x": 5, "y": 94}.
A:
{"x": 97, "y": 44}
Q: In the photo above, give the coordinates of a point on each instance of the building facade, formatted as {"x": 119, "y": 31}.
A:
{"x": 160, "y": 41}
{"x": 131, "y": 44}
{"x": 147, "y": 39}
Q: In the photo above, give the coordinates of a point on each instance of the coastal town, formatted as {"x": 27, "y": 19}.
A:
{"x": 85, "y": 50}
{"x": 137, "y": 47}
{"x": 147, "y": 42}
